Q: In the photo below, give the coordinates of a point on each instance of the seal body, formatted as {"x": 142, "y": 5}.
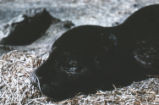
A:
{"x": 88, "y": 58}
{"x": 140, "y": 26}
{"x": 140, "y": 36}
{"x": 84, "y": 59}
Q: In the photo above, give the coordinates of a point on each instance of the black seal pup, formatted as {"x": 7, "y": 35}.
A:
{"x": 84, "y": 59}
{"x": 88, "y": 58}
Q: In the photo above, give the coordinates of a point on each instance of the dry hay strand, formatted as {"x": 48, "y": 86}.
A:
{"x": 15, "y": 71}
{"x": 16, "y": 88}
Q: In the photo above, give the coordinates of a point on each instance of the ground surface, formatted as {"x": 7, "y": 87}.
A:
{"x": 17, "y": 63}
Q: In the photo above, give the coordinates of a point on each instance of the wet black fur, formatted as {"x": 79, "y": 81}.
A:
{"x": 88, "y": 58}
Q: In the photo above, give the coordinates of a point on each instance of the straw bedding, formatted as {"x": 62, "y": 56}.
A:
{"x": 16, "y": 69}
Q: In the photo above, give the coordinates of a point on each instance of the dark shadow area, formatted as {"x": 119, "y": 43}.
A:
{"x": 34, "y": 24}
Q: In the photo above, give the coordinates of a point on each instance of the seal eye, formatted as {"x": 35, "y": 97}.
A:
{"x": 72, "y": 67}
{"x": 73, "y": 63}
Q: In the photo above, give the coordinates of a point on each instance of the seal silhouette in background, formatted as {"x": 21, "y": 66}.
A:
{"x": 28, "y": 27}
{"x": 88, "y": 58}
